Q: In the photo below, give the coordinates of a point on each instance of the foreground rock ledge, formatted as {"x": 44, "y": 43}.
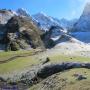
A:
{"x": 41, "y": 72}
{"x": 49, "y": 69}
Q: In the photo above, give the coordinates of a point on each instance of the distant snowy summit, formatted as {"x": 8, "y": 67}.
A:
{"x": 41, "y": 29}
{"x": 83, "y": 24}
{"x": 44, "y": 21}
{"x": 22, "y": 12}
{"x": 5, "y": 14}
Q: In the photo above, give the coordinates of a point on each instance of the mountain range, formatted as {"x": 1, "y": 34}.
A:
{"x": 20, "y": 30}
{"x": 45, "y": 22}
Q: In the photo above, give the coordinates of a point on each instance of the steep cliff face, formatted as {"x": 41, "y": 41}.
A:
{"x": 83, "y": 24}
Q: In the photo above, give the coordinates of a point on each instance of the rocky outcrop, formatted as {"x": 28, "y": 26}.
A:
{"x": 5, "y": 15}
{"x": 50, "y": 69}
{"x": 25, "y": 31}
{"x": 50, "y": 37}
{"x": 40, "y": 72}
{"x": 21, "y": 33}
{"x": 57, "y": 35}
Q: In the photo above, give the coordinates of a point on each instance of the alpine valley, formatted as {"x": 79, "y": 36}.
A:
{"x": 41, "y": 52}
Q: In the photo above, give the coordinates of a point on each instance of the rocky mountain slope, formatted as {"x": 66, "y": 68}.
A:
{"x": 82, "y": 27}
{"x": 26, "y": 33}
{"x": 66, "y": 24}
{"x": 22, "y": 12}
{"x": 44, "y": 21}
{"x": 83, "y": 24}
{"x": 22, "y": 32}
{"x": 5, "y": 15}
{"x": 18, "y": 32}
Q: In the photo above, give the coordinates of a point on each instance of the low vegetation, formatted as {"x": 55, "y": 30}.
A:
{"x": 65, "y": 81}
{"x": 67, "y": 58}
{"x": 18, "y": 60}
{"x": 15, "y": 62}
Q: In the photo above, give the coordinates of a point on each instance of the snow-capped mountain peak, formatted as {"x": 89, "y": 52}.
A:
{"x": 45, "y": 21}
{"x": 42, "y": 13}
{"x": 83, "y": 24}
{"x": 87, "y": 9}
{"x": 22, "y": 12}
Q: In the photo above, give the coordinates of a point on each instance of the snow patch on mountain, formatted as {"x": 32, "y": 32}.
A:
{"x": 22, "y": 12}
{"x": 44, "y": 21}
{"x": 5, "y": 15}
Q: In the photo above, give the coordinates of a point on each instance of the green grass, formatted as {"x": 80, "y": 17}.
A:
{"x": 17, "y": 64}
{"x": 65, "y": 80}
{"x": 21, "y": 63}
{"x": 66, "y": 58}
{"x": 73, "y": 83}
{"x": 69, "y": 74}
{"x": 24, "y": 63}
{"x": 7, "y": 55}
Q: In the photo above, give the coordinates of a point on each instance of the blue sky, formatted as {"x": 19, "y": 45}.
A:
{"x": 68, "y": 9}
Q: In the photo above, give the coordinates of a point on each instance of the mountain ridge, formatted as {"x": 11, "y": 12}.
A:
{"x": 83, "y": 24}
